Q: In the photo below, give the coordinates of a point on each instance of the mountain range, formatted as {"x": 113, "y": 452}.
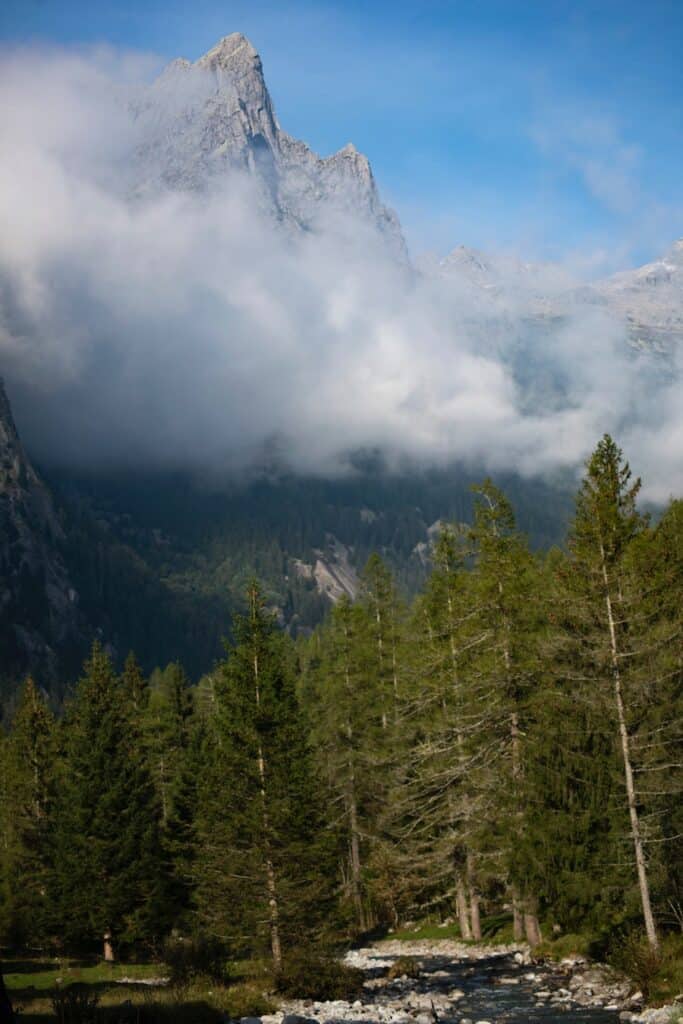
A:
{"x": 159, "y": 564}
{"x": 199, "y": 120}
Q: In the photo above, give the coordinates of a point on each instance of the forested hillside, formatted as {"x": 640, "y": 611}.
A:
{"x": 506, "y": 745}
{"x": 162, "y": 562}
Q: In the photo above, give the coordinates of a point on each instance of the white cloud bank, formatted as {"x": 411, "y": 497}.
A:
{"x": 187, "y": 330}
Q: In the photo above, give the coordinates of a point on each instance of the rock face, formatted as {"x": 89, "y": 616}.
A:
{"x": 647, "y": 301}
{"x": 39, "y": 618}
{"x": 198, "y": 121}
{"x": 333, "y": 571}
{"x": 650, "y": 299}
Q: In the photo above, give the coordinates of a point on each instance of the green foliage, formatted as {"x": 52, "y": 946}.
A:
{"x": 262, "y": 864}
{"x": 246, "y": 999}
{"x": 195, "y": 958}
{"x": 658, "y": 975}
{"x": 459, "y": 759}
{"x": 306, "y": 974}
{"x": 26, "y": 803}
{"x": 632, "y": 954}
{"x": 109, "y": 877}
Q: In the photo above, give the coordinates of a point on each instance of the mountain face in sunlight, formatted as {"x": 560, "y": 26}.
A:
{"x": 200, "y": 120}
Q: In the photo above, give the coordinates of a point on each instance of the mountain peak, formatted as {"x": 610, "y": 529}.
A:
{"x": 216, "y": 115}
{"x": 231, "y": 52}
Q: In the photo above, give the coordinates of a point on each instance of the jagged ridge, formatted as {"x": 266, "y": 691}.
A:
{"x": 199, "y": 120}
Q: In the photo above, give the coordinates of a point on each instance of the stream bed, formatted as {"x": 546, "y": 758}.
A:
{"x": 460, "y": 984}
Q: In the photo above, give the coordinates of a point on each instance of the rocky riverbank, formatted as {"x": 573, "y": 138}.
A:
{"x": 453, "y": 982}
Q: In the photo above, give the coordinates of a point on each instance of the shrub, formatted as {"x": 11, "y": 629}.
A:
{"x": 313, "y": 975}
{"x": 246, "y": 999}
{"x": 404, "y": 965}
{"x": 75, "y": 1005}
{"x": 191, "y": 959}
{"x": 633, "y": 955}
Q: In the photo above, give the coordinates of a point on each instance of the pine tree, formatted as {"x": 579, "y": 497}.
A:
{"x": 107, "y": 865}
{"x": 28, "y": 770}
{"x": 345, "y": 705}
{"x": 614, "y": 647}
{"x": 568, "y": 850}
{"x": 437, "y": 808}
{"x": 383, "y": 612}
{"x": 506, "y": 584}
{"x": 165, "y": 727}
{"x": 260, "y": 863}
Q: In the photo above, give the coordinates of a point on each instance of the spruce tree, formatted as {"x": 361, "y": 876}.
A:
{"x": 28, "y": 769}
{"x": 613, "y": 637}
{"x": 260, "y": 863}
{"x": 345, "y": 703}
{"x": 437, "y": 817}
{"x": 108, "y": 871}
{"x": 506, "y": 584}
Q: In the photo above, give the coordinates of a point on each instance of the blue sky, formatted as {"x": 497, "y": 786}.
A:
{"x": 546, "y": 126}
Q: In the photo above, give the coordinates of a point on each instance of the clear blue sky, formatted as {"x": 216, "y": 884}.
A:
{"x": 549, "y": 126}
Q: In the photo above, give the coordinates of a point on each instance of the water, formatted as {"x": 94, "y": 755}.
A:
{"x": 495, "y": 988}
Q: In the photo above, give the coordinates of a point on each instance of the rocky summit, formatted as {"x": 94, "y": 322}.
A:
{"x": 199, "y": 120}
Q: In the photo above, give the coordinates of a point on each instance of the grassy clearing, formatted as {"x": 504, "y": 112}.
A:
{"x": 33, "y": 985}
{"x": 46, "y": 974}
{"x": 426, "y": 931}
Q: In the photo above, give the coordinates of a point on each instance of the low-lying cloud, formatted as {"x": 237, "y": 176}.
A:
{"x": 185, "y": 330}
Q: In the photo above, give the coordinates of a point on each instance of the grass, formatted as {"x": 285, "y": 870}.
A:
{"x": 33, "y": 983}
{"x": 45, "y": 975}
{"x": 495, "y": 929}
{"x": 668, "y": 981}
{"x": 426, "y": 931}
{"x": 565, "y": 946}
{"x": 661, "y": 981}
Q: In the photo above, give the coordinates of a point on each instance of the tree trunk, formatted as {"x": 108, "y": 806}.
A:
{"x": 356, "y": 889}
{"x": 517, "y": 916}
{"x": 271, "y": 882}
{"x": 474, "y": 899}
{"x": 275, "y": 946}
{"x": 380, "y": 661}
{"x": 532, "y": 928}
{"x": 352, "y": 805}
{"x": 164, "y": 798}
{"x": 643, "y": 884}
{"x": 461, "y": 907}
{"x": 6, "y": 1011}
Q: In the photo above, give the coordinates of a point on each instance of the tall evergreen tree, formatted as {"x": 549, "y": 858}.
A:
{"x": 614, "y": 646}
{"x": 506, "y": 585}
{"x": 383, "y": 612}
{"x": 108, "y": 871}
{"x": 439, "y": 800}
{"x": 28, "y": 772}
{"x": 346, "y": 706}
{"x": 260, "y": 863}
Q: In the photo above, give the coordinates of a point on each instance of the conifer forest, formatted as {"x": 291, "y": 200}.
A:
{"x": 505, "y": 749}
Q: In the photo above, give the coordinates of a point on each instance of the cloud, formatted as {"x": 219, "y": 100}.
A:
{"x": 592, "y": 145}
{"x": 185, "y": 330}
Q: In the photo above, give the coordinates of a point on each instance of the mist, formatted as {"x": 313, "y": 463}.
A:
{"x": 183, "y": 330}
